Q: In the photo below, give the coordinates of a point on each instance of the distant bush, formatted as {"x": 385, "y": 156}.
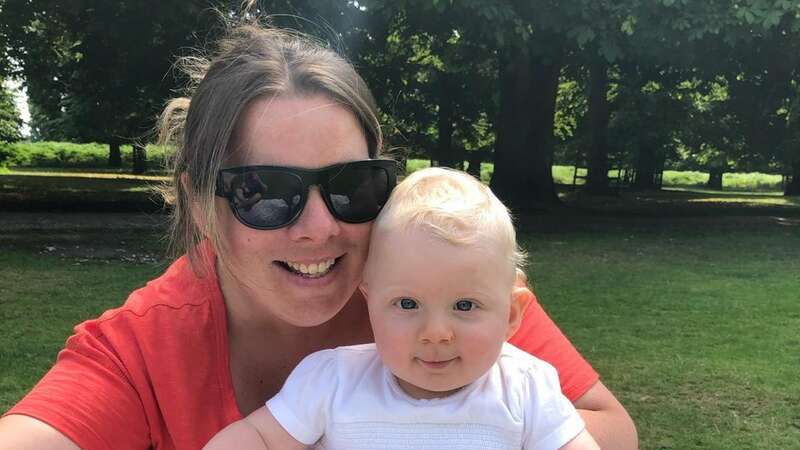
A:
{"x": 730, "y": 181}
{"x": 69, "y": 155}
{"x": 563, "y": 174}
{"x": 5, "y": 153}
{"x": 413, "y": 165}
{"x": 684, "y": 178}
{"x": 752, "y": 182}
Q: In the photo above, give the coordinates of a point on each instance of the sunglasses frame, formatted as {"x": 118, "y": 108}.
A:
{"x": 308, "y": 177}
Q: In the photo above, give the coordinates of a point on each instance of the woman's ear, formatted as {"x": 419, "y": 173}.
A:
{"x": 194, "y": 207}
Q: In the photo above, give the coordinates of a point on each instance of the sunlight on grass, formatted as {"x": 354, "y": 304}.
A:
{"x": 672, "y": 179}
{"x": 700, "y": 190}
{"x": 99, "y": 175}
{"x": 781, "y": 201}
{"x": 692, "y": 328}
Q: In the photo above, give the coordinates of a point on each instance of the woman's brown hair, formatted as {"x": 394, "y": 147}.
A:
{"x": 251, "y": 61}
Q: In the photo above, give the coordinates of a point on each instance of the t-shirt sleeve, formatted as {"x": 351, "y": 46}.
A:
{"x": 550, "y": 419}
{"x": 540, "y": 337}
{"x": 303, "y": 403}
{"x": 88, "y": 397}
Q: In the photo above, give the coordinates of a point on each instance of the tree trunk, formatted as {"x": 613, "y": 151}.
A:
{"x": 597, "y": 176}
{"x": 114, "y": 154}
{"x": 475, "y": 158}
{"x": 793, "y": 187}
{"x": 523, "y": 157}
{"x": 715, "y": 179}
{"x": 645, "y": 168}
{"x": 446, "y": 155}
{"x": 139, "y": 158}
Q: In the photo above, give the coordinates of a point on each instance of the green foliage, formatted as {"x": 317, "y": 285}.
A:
{"x": 100, "y": 71}
{"x": 10, "y": 121}
{"x": 69, "y": 155}
{"x": 752, "y": 182}
{"x": 686, "y": 178}
{"x": 97, "y": 70}
{"x": 563, "y": 175}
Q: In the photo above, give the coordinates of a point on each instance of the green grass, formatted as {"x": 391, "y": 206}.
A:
{"x": 67, "y": 155}
{"x": 692, "y": 328}
{"x": 692, "y": 323}
{"x": 31, "y": 156}
{"x": 755, "y": 181}
{"x": 41, "y": 298}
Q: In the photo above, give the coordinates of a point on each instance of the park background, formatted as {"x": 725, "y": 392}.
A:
{"x": 649, "y": 149}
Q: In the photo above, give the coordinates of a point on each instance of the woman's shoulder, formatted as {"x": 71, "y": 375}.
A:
{"x": 177, "y": 301}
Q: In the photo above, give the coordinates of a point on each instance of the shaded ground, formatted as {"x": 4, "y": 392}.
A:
{"x": 73, "y": 192}
{"x": 140, "y": 237}
{"x": 135, "y": 237}
{"x": 114, "y": 216}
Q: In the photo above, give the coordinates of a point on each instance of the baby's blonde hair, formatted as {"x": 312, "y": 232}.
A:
{"x": 452, "y": 206}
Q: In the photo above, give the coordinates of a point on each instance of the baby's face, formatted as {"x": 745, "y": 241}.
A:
{"x": 440, "y": 312}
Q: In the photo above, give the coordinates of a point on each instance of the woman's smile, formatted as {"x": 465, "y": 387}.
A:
{"x": 310, "y": 269}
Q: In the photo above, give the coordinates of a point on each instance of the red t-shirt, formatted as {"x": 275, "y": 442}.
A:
{"x": 154, "y": 372}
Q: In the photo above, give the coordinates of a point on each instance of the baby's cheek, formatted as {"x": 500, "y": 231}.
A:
{"x": 484, "y": 344}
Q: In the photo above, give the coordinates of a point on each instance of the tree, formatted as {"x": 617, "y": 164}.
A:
{"x": 96, "y": 70}
{"x": 10, "y": 121}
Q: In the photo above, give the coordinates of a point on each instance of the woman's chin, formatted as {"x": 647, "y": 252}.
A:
{"x": 312, "y": 313}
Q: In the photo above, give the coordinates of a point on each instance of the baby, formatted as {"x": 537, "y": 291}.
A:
{"x": 438, "y": 284}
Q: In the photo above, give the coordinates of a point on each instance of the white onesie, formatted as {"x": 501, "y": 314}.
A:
{"x": 346, "y": 399}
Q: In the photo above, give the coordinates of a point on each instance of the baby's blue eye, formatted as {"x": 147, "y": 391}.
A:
{"x": 408, "y": 303}
{"x": 465, "y": 305}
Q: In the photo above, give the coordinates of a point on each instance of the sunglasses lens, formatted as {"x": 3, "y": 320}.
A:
{"x": 266, "y": 199}
{"x": 357, "y": 193}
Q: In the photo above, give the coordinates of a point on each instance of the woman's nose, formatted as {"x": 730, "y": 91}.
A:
{"x": 315, "y": 222}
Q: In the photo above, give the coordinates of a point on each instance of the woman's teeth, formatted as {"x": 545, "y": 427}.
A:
{"x": 314, "y": 270}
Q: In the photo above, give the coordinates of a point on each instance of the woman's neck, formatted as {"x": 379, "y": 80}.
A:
{"x": 261, "y": 359}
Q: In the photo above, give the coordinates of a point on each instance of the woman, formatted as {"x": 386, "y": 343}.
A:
{"x": 261, "y": 285}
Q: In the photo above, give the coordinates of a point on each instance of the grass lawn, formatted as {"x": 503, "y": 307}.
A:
{"x": 696, "y": 330}
{"x": 740, "y": 182}
{"x": 687, "y": 303}
{"x": 42, "y": 297}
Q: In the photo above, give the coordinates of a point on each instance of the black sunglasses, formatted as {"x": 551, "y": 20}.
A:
{"x": 270, "y": 197}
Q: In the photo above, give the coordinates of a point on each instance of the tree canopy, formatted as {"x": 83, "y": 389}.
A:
{"x": 644, "y": 85}
{"x": 10, "y": 121}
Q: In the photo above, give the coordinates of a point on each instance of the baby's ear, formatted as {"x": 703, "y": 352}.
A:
{"x": 520, "y": 299}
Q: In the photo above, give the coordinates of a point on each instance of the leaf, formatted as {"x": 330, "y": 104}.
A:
{"x": 628, "y": 25}
{"x": 772, "y": 19}
{"x": 582, "y": 35}
{"x": 610, "y": 51}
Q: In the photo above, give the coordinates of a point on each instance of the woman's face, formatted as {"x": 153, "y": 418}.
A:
{"x": 266, "y": 266}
